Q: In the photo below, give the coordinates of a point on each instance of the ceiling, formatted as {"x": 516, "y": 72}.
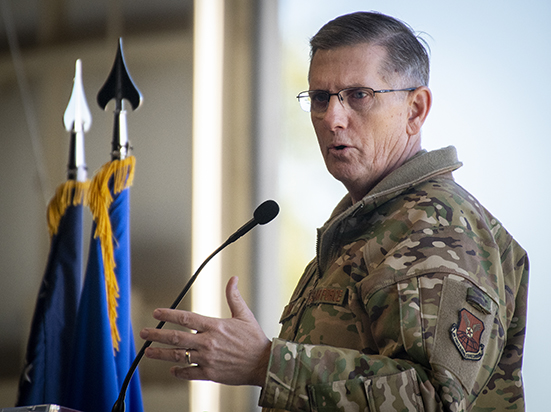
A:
{"x": 43, "y": 23}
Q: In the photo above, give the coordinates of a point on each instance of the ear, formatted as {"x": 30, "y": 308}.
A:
{"x": 420, "y": 103}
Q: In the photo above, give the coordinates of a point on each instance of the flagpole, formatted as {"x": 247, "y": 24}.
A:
{"x": 48, "y": 357}
{"x": 104, "y": 340}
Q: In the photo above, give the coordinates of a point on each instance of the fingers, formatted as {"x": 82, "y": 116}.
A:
{"x": 189, "y": 320}
{"x": 171, "y": 337}
{"x": 236, "y": 303}
{"x": 231, "y": 351}
{"x": 176, "y": 338}
{"x": 192, "y": 359}
{"x": 195, "y": 373}
{"x": 175, "y": 355}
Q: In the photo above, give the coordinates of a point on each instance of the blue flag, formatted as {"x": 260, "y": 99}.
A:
{"x": 104, "y": 345}
{"x": 47, "y": 359}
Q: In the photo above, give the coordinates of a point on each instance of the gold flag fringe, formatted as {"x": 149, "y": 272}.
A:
{"x": 100, "y": 199}
{"x": 69, "y": 193}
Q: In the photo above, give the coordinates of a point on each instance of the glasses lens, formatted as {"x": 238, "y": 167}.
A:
{"x": 319, "y": 100}
{"x": 358, "y": 98}
{"x": 304, "y": 100}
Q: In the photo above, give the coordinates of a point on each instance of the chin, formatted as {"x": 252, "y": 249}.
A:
{"x": 345, "y": 173}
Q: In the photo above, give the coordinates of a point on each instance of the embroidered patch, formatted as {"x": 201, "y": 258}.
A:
{"x": 334, "y": 296}
{"x": 466, "y": 335}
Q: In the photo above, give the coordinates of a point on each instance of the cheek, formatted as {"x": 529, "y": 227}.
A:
{"x": 397, "y": 120}
{"x": 391, "y": 129}
{"x": 320, "y": 131}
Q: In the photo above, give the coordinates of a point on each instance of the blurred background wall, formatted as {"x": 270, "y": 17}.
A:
{"x": 157, "y": 41}
{"x": 39, "y": 44}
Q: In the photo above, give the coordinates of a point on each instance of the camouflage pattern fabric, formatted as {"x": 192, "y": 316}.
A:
{"x": 416, "y": 301}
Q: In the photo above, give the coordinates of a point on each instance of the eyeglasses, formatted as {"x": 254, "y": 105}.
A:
{"x": 358, "y": 99}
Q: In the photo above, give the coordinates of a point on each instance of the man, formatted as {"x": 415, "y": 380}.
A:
{"x": 416, "y": 299}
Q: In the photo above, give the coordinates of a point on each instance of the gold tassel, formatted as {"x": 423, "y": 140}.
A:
{"x": 100, "y": 199}
{"x": 70, "y": 192}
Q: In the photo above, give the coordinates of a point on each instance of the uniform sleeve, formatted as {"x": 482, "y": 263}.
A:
{"x": 321, "y": 378}
{"x": 417, "y": 365}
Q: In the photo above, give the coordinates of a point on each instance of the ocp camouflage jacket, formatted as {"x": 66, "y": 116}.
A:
{"x": 415, "y": 301}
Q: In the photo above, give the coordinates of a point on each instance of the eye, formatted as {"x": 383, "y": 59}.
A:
{"x": 319, "y": 96}
{"x": 359, "y": 94}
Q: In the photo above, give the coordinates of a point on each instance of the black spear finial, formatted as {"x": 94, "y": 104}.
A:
{"x": 119, "y": 86}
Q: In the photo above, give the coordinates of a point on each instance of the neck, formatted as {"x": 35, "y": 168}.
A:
{"x": 412, "y": 147}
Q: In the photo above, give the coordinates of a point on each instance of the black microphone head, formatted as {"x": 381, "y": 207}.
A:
{"x": 266, "y": 212}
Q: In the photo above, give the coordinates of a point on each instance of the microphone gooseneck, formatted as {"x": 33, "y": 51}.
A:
{"x": 264, "y": 213}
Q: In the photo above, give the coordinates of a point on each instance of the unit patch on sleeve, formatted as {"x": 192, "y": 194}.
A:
{"x": 466, "y": 335}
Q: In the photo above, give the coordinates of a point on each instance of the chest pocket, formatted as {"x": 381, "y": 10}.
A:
{"x": 292, "y": 309}
{"x": 321, "y": 316}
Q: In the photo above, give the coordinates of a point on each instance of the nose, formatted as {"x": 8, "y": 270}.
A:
{"x": 336, "y": 115}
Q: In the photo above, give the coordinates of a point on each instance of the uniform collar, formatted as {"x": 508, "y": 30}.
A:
{"x": 418, "y": 168}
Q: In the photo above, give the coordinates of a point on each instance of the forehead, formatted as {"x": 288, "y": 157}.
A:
{"x": 347, "y": 66}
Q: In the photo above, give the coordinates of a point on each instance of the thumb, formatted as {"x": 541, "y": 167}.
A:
{"x": 237, "y": 305}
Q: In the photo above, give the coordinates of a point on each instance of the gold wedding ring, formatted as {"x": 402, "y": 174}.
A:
{"x": 188, "y": 357}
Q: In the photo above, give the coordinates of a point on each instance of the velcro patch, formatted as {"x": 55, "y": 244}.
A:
{"x": 334, "y": 296}
{"x": 466, "y": 335}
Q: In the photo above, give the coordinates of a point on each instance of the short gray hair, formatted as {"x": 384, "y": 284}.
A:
{"x": 407, "y": 54}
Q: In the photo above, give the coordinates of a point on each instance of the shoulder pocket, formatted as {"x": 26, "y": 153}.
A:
{"x": 467, "y": 341}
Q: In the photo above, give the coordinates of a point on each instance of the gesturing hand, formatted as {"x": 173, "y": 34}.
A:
{"x": 232, "y": 351}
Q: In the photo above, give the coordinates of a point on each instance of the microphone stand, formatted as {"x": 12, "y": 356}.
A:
{"x": 119, "y": 404}
{"x": 262, "y": 215}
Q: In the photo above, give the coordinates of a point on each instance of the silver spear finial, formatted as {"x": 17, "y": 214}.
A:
{"x": 77, "y": 120}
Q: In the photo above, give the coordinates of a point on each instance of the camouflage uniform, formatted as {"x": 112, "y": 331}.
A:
{"x": 416, "y": 301}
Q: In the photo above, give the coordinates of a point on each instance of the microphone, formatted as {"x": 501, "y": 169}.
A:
{"x": 265, "y": 213}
